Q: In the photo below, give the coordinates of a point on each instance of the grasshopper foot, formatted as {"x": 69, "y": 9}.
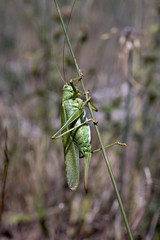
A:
{"x": 94, "y": 121}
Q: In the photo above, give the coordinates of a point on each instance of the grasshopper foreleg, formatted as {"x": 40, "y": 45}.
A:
{"x": 75, "y": 81}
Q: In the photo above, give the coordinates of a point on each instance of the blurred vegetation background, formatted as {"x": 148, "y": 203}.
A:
{"x": 117, "y": 45}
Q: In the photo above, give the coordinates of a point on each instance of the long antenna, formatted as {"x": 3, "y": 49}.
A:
{"x": 64, "y": 44}
{"x": 60, "y": 74}
{"x": 67, "y": 38}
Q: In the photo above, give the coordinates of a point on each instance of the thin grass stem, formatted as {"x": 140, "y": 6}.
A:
{"x": 96, "y": 127}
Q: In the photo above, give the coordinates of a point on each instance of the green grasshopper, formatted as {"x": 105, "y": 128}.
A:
{"x": 75, "y": 133}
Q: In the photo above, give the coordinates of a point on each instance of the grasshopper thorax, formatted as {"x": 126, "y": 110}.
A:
{"x": 69, "y": 92}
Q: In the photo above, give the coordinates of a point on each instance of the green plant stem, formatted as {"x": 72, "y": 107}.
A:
{"x": 96, "y": 128}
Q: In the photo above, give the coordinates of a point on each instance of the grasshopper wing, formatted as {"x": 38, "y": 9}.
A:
{"x": 71, "y": 154}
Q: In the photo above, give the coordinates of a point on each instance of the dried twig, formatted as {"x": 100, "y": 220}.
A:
{"x": 153, "y": 226}
{"x": 5, "y": 170}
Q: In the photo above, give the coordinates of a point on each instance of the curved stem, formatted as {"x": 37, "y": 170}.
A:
{"x": 96, "y": 128}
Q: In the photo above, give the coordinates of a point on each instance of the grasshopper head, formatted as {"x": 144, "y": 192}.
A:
{"x": 69, "y": 92}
